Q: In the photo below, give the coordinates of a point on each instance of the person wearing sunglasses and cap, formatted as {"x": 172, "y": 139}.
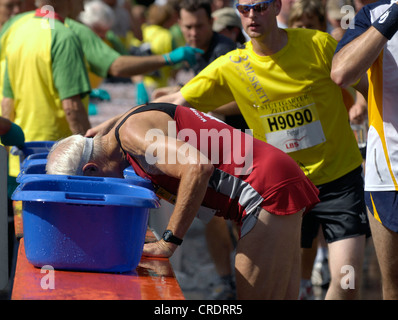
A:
{"x": 281, "y": 83}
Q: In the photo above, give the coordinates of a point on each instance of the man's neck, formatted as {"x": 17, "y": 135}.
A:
{"x": 271, "y": 43}
{"x": 61, "y": 8}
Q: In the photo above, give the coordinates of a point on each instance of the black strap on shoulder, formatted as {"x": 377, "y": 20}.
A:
{"x": 168, "y": 108}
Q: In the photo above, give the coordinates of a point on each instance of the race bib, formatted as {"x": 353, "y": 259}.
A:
{"x": 292, "y": 124}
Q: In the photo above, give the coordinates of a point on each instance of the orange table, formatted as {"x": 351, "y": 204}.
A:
{"x": 153, "y": 279}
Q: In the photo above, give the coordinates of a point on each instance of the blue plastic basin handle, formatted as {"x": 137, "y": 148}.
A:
{"x": 81, "y": 178}
{"x": 84, "y": 196}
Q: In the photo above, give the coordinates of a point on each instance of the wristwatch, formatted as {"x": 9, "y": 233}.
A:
{"x": 169, "y": 237}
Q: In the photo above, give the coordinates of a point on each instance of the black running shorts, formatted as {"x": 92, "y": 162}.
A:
{"x": 341, "y": 213}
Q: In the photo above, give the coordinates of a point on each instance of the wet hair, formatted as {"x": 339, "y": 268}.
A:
{"x": 195, "y": 5}
{"x": 65, "y": 157}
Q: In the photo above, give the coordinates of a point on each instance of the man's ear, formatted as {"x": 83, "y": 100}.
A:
{"x": 278, "y": 6}
{"x": 90, "y": 169}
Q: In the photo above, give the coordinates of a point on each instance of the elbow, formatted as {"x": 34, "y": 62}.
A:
{"x": 115, "y": 69}
{"x": 202, "y": 170}
{"x": 342, "y": 73}
{"x": 339, "y": 77}
{"x": 207, "y": 170}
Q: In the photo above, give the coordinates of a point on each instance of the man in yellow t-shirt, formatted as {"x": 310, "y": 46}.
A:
{"x": 281, "y": 83}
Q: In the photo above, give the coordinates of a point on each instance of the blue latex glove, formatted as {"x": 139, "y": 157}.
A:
{"x": 182, "y": 54}
{"x": 100, "y": 94}
{"x": 14, "y": 137}
{"x": 141, "y": 94}
{"x": 92, "y": 109}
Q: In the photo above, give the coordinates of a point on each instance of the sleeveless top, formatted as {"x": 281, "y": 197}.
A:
{"x": 248, "y": 173}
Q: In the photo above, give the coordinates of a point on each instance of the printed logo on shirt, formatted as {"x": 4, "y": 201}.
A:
{"x": 254, "y": 89}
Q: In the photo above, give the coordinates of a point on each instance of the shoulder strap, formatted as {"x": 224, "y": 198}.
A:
{"x": 168, "y": 108}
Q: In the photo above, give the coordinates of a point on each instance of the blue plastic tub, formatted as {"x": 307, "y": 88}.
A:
{"x": 135, "y": 181}
{"x": 36, "y": 156}
{"x": 34, "y": 147}
{"x": 30, "y": 170}
{"x": 36, "y": 171}
{"x": 84, "y": 225}
{"x": 129, "y": 172}
{"x": 29, "y": 162}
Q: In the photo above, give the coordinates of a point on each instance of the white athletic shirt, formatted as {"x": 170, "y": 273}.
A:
{"x": 382, "y": 148}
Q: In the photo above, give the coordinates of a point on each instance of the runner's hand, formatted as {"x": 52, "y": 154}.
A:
{"x": 160, "y": 249}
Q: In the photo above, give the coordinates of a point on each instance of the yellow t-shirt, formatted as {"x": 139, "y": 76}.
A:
{"x": 288, "y": 100}
{"x": 44, "y": 65}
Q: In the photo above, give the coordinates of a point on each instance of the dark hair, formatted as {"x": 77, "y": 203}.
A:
{"x": 195, "y": 5}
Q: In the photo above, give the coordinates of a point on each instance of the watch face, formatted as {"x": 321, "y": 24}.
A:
{"x": 167, "y": 235}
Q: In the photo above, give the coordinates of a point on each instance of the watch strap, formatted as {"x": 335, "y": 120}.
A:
{"x": 169, "y": 237}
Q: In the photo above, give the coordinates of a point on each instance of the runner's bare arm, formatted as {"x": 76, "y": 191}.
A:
{"x": 188, "y": 164}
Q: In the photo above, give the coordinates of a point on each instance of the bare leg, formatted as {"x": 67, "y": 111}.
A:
{"x": 267, "y": 261}
{"x": 386, "y": 247}
{"x": 219, "y": 244}
{"x": 346, "y": 263}
{"x": 308, "y": 256}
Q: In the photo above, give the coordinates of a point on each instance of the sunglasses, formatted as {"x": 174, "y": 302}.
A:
{"x": 257, "y": 7}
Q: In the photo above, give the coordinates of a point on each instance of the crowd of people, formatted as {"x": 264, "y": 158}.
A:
{"x": 291, "y": 76}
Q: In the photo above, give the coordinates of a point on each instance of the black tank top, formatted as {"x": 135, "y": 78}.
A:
{"x": 167, "y": 108}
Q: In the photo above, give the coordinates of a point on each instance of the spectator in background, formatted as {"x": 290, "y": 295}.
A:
{"x": 283, "y": 15}
{"x": 138, "y": 15}
{"x": 196, "y": 24}
{"x": 100, "y": 18}
{"x": 43, "y": 90}
{"x": 123, "y": 23}
{"x": 50, "y": 107}
{"x": 9, "y": 8}
{"x": 335, "y": 14}
{"x": 175, "y": 29}
{"x": 227, "y": 23}
{"x": 219, "y": 4}
{"x": 157, "y": 35}
{"x": 308, "y": 14}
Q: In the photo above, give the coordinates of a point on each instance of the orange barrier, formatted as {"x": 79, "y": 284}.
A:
{"x": 153, "y": 279}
